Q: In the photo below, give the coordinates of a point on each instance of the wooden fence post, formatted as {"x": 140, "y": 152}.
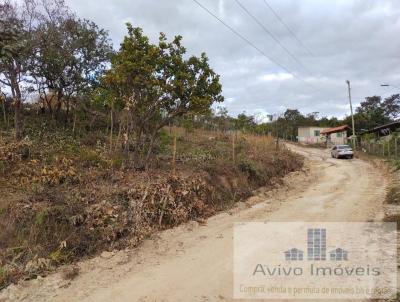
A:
{"x": 174, "y": 156}
{"x": 233, "y": 147}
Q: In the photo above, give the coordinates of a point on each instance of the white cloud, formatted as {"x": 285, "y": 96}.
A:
{"x": 262, "y": 116}
{"x": 276, "y": 77}
{"x": 221, "y": 8}
{"x": 350, "y": 39}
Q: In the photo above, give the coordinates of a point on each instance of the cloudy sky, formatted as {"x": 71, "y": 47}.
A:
{"x": 339, "y": 39}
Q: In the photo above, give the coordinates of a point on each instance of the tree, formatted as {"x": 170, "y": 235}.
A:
{"x": 370, "y": 113}
{"x": 291, "y": 120}
{"x": 157, "y": 85}
{"x": 107, "y": 99}
{"x": 329, "y": 122}
{"x": 15, "y": 27}
{"x": 222, "y": 118}
{"x": 245, "y": 122}
{"x": 391, "y": 106}
{"x": 69, "y": 57}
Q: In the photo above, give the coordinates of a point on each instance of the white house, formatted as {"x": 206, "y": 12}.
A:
{"x": 310, "y": 135}
{"x": 316, "y": 135}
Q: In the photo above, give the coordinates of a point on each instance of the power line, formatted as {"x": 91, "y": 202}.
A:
{"x": 245, "y": 39}
{"x": 254, "y": 46}
{"x": 269, "y": 33}
{"x": 288, "y": 28}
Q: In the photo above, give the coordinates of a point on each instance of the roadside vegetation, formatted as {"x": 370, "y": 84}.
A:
{"x": 392, "y": 212}
{"x": 100, "y": 148}
{"x": 65, "y": 196}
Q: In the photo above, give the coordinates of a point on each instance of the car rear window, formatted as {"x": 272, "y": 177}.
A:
{"x": 344, "y": 147}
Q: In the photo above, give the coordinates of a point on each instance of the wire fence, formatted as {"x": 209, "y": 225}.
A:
{"x": 387, "y": 148}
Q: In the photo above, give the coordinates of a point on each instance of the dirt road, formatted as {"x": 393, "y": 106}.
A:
{"x": 194, "y": 262}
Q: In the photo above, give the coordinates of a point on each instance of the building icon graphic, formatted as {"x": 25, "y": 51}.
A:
{"x": 316, "y": 249}
{"x": 294, "y": 255}
{"x": 316, "y": 244}
{"x": 338, "y": 255}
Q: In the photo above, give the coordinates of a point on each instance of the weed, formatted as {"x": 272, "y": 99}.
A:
{"x": 117, "y": 160}
{"x": 69, "y": 210}
{"x": 40, "y": 217}
{"x": 396, "y": 164}
{"x": 70, "y": 273}
{"x": 165, "y": 140}
{"x": 63, "y": 172}
{"x": 4, "y": 276}
{"x": 393, "y": 195}
{"x": 249, "y": 167}
{"x": 92, "y": 158}
{"x": 59, "y": 256}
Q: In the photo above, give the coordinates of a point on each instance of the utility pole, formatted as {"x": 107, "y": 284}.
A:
{"x": 275, "y": 117}
{"x": 352, "y": 116}
{"x": 277, "y": 135}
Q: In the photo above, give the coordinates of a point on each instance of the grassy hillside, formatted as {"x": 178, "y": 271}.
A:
{"x": 66, "y": 196}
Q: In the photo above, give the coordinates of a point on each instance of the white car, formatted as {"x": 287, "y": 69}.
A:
{"x": 339, "y": 151}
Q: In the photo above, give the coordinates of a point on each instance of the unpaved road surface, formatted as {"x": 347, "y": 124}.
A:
{"x": 194, "y": 262}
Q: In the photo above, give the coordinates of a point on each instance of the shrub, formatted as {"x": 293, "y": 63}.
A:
{"x": 165, "y": 141}
{"x": 393, "y": 195}
{"x": 41, "y": 217}
{"x": 117, "y": 160}
{"x": 91, "y": 158}
{"x": 62, "y": 172}
{"x": 250, "y": 168}
{"x": 60, "y": 218}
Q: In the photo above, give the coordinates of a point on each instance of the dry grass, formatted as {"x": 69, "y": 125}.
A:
{"x": 393, "y": 194}
{"x": 72, "y": 198}
{"x": 70, "y": 273}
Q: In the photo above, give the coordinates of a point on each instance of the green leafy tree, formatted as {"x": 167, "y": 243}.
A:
{"x": 370, "y": 113}
{"x": 263, "y": 128}
{"x": 158, "y": 85}
{"x": 245, "y": 123}
{"x": 15, "y": 28}
{"x": 291, "y": 120}
{"x": 222, "y": 119}
{"x": 69, "y": 57}
{"x": 391, "y": 106}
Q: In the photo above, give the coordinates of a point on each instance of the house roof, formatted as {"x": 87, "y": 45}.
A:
{"x": 335, "y": 129}
{"x": 391, "y": 126}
